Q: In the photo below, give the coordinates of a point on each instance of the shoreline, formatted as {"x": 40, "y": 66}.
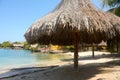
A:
{"x": 85, "y": 60}
{"x": 20, "y": 70}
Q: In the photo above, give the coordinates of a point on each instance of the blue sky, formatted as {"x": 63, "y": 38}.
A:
{"x": 16, "y": 16}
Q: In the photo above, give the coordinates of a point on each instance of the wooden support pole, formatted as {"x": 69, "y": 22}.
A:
{"x": 93, "y": 55}
{"x": 76, "y": 42}
{"x": 117, "y": 45}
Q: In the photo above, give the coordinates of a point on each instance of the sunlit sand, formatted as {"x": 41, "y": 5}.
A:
{"x": 103, "y": 67}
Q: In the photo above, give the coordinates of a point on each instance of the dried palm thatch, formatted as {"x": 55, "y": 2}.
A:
{"x": 115, "y": 21}
{"x": 58, "y": 26}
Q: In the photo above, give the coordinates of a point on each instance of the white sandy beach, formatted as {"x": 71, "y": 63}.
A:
{"x": 102, "y": 67}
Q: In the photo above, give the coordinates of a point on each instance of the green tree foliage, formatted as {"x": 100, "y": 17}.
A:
{"x": 6, "y": 44}
{"x": 26, "y": 46}
{"x": 114, "y": 5}
{"x": 0, "y": 45}
{"x": 111, "y": 3}
{"x": 115, "y": 11}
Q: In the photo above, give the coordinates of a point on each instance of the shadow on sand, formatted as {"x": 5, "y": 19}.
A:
{"x": 67, "y": 72}
{"x": 21, "y": 71}
{"x": 84, "y": 72}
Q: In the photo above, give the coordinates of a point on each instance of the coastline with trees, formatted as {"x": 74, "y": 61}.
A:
{"x": 16, "y": 45}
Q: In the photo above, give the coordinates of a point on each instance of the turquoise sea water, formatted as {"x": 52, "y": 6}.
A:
{"x": 13, "y": 58}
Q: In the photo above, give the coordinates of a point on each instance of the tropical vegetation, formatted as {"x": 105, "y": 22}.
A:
{"x": 111, "y": 3}
{"x": 114, "y": 5}
{"x": 6, "y": 44}
{"x": 26, "y": 46}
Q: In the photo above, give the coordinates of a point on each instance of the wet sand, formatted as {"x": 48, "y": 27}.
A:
{"x": 103, "y": 67}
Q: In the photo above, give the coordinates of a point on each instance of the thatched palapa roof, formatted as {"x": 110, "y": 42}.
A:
{"x": 115, "y": 21}
{"x": 58, "y": 26}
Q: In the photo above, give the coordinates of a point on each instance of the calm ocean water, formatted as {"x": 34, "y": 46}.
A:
{"x": 15, "y": 58}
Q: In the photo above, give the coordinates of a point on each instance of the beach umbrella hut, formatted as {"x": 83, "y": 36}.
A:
{"x": 71, "y": 23}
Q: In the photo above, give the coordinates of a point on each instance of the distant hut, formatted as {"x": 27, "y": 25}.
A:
{"x": 71, "y": 23}
{"x": 18, "y": 46}
{"x": 102, "y": 44}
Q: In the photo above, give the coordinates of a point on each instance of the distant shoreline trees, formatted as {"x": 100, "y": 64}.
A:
{"x": 18, "y": 45}
{"x": 6, "y": 44}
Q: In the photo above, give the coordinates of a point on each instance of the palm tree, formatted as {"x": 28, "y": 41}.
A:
{"x": 114, "y": 5}
{"x": 115, "y": 11}
{"x": 111, "y": 3}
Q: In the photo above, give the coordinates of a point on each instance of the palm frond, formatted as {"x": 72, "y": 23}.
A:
{"x": 111, "y": 3}
{"x": 115, "y": 11}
